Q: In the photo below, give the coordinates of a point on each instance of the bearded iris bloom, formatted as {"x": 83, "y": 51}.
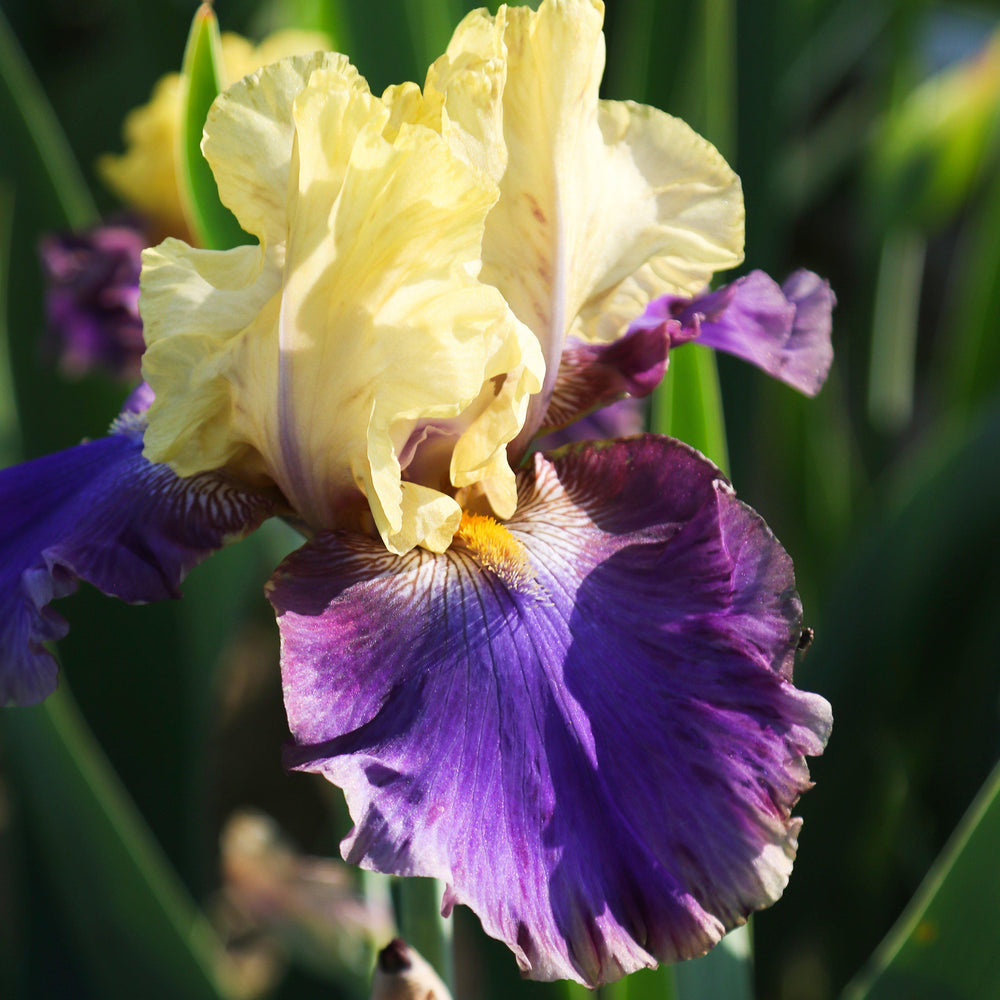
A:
{"x": 560, "y": 683}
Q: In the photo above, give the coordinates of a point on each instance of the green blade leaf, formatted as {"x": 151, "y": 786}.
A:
{"x": 939, "y": 946}
{"x": 137, "y": 928}
{"x": 24, "y": 108}
{"x": 726, "y": 971}
{"x": 647, "y": 984}
{"x": 421, "y": 924}
{"x": 202, "y": 77}
{"x": 688, "y": 404}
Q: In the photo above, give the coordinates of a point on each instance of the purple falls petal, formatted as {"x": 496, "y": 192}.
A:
{"x": 92, "y": 299}
{"x": 600, "y": 759}
{"x": 784, "y": 330}
{"x": 100, "y": 512}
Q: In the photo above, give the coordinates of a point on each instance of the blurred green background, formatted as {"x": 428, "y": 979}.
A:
{"x": 866, "y": 133}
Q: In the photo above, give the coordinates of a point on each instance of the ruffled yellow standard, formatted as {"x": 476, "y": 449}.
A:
{"x": 423, "y": 257}
{"x": 603, "y": 205}
{"x": 354, "y": 354}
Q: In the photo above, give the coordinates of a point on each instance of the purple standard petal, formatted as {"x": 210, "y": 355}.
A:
{"x": 783, "y": 330}
{"x": 100, "y": 512}
{"x": 92, "y": 299}
{"x": 585, "y": 723}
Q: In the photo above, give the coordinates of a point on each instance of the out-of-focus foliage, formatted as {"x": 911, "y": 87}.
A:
{"x": 866, "y": 135}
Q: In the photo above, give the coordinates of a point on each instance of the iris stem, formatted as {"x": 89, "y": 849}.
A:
{"x": 688, "y": 403}
{"x": 21, "y": 91}
{"x": 894, "y": 337}
{"x": 418, "y": 913}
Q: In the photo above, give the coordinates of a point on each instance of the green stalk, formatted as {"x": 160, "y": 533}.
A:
{"x": 115, "y": 883}
{"x": 24, "y": 93}
{"x": 894, "y": 333}
{"x": 421, "y": 925}
{"x": 688, "y": 403}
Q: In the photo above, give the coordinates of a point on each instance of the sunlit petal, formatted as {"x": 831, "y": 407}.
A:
{"x": 582, "y": 720}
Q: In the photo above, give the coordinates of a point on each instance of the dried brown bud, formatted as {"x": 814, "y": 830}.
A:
{"x": 402, "y": 974}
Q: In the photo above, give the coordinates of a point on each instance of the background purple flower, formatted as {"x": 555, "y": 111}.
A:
{"x": 92, "y": 299}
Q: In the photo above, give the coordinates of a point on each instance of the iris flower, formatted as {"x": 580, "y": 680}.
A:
{"x": 561, "y": 683}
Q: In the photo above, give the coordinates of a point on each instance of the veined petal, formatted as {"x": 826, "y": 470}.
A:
{"x": 594, "y": 375}
{"x": 100, "y": 512}
{"x": 582, "y": 720}
{"x": 595, "y": 197}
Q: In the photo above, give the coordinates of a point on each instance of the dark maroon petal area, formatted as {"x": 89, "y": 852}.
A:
{"x": 599, "y": 755}
{"x": 595, "y": 375}
{"x": 100, "y": 512}
{"x": 783, "y": 330}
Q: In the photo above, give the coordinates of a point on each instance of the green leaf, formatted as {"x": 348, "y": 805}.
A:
{"x": 202, "y": 77}
{"x": 891, "y": 382}
{"x": 726, "y": 971}
{"x": 24, "y": 107}
{"x": 10, "y": 443}
{"x": 138, "y": 930}
{"x": 431, "y": 25}
{"x": 969, "y": 353}
{"x": 940, "y": 946}
{"x": 421, "y": 924}
{"x": 688, "y": 404}
{"x": 649, "y": 984}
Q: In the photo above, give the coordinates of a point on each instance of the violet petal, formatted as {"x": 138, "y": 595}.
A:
{"x": 784, "y": 330}
{"x": 100, "y": 512}
{"x": 600, "y": 760}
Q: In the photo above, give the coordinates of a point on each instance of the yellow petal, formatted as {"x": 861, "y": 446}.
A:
{"x": 596, "y": 197}
{"x": 697, "y": 228}
{"x": 465, "y": 89}
{"x": 384, "y": 270}
{"x": 319, "y": 362}
{"x": 248, "y": 139}
{"x": 145, "y": 175}
{"x": 198, "y": 306}
{"x": 241, "y": 57}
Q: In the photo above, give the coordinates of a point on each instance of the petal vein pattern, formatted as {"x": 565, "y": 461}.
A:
{"x": 603, "y": 766}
